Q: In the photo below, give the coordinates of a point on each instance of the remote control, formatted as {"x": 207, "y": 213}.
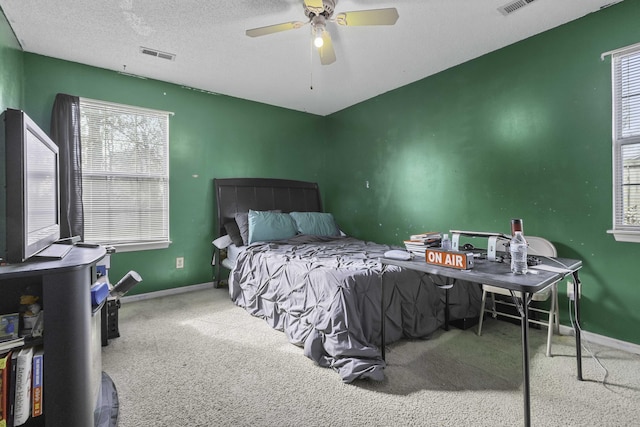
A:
{"x": 87, "y": 245}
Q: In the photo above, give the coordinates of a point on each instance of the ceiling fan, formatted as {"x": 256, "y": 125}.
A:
{"x": 320, "y": 12}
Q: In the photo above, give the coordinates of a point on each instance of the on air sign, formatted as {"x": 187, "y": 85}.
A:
{"x": 459, "y": 260}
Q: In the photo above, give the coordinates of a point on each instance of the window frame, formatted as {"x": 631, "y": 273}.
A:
{"x": 135, "y": 245}
{"x": 621, "y": 232}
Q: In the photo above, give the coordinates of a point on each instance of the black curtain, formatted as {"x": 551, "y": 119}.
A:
{"x": 65, "y": 131}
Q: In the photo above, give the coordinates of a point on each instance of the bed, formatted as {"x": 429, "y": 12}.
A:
{"x": 291, "y": 265}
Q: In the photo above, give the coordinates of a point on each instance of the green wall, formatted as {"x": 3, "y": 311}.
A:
{"x": 11, "y": 67}
{"x": 522, "y": 132}
{"x": 210, "y": 136}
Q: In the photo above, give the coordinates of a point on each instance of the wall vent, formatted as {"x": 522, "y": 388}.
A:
{"x": 513, "y": 6}
{"x": 157, "y": 53}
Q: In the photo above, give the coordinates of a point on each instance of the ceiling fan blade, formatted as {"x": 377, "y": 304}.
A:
{"x": 314, "y": 6}
{"x": 270, "y": 29}
{"x": 327, "y": 54}
{"x": 368, "y": 17}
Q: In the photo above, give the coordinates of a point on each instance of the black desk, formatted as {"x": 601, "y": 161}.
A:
{"x": 522, "y": 288}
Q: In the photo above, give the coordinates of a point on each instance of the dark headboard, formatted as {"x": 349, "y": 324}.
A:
{"x": 263, "y": 194}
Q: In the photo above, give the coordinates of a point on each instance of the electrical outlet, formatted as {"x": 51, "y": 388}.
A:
{"x": 180, "y": 262}
{"x": 570, "y": 292}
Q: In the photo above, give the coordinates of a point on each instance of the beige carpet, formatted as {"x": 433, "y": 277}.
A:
{"x": 195, "y": 359}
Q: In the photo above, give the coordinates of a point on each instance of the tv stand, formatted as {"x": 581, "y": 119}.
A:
{"x": 72, "y": 342}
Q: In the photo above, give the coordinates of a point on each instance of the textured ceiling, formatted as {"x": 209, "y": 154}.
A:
{"x": 212, "y": 52}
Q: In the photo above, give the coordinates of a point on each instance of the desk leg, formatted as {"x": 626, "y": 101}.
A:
{"x": 576, "y": 323}
{"x": 446, "y": 309}
{"x": 523, "y": 308}
{"x": 383, "y": 313}
{"x": 448, "y": 285}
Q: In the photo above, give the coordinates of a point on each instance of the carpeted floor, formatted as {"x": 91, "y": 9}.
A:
{"x": 195, "y": 359}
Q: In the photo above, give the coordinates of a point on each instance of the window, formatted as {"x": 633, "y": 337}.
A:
{"x": 125, "y": 175}
{"x": 626, "y": 144}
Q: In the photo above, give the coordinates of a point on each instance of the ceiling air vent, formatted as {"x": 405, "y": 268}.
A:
{"x": 157, "y": 53}
{"x": 513, "y": 6}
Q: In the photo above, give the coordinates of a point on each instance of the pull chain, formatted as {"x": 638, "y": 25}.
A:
{"x": 311, "y": 64}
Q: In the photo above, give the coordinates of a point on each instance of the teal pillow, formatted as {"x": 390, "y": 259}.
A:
{"x": 266, "y": 226}
{"x": 315, "y": 223}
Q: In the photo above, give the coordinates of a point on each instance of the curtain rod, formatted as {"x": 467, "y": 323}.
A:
{"x": 616, "y": 51}
{"x": 131, "y": 107}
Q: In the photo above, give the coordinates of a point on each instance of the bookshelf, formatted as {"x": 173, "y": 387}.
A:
{"x": 72, "y": 370}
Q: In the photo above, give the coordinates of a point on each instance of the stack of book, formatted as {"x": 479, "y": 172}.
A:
{"x": 21, "y": 392}
{"x": 417, "y": 244}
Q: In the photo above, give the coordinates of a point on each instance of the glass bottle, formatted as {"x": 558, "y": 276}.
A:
{"x": 445, "y": 244}
{"x": 518, "y": 248}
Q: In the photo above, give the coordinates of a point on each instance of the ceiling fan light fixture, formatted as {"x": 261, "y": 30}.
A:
{"x": 318, "y": 25}
{"x": 319, "y": 13}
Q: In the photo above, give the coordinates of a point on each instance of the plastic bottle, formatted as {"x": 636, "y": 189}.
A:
{"x": 445, "y": 244}
{"x": 518, "y": 248}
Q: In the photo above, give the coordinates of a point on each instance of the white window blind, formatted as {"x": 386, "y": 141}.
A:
{"x": 625, "y": 70}
{"x": 125, "y": 174}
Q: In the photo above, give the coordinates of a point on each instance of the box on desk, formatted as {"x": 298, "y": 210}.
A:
{"x": 443, "y": 258}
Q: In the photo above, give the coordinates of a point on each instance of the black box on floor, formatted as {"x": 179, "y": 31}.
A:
{"x": 110, "y": 320}
{"x": 464, "y": 323}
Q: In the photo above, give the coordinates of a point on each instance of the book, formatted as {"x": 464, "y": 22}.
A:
{"x": 421, "y": 243}
{"x": 36, "y": 384}
{"x": 426, "y": 235}
{"x": 12, "y": 389}
{"x": 5, "y": 376}
{"x": 419, "y": 246}
{"x": 11, "y": 344}
{"x": 22, "y": 406}
{"x": 415, "y": 245}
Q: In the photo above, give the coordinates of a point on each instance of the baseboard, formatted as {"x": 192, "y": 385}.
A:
{"x": 603, "y": 340}
{"x": 166, "y": 292}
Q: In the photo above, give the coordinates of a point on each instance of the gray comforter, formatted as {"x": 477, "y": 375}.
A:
{"x": 324, "y": 294}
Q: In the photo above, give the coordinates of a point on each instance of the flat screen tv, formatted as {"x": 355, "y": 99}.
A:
{"x": 29, "y": 191}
